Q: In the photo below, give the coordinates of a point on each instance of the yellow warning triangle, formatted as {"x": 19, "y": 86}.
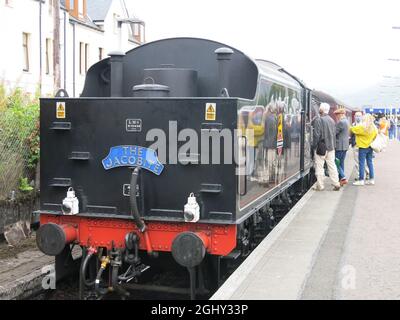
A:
{"x": 210, "y": 108}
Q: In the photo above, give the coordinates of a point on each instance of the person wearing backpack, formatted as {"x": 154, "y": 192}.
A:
{"x": 324, "y": 137}
{"x": 365, "y": 134}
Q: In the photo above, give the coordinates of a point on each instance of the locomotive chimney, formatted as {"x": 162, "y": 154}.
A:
{"x": 116, "y": 63}
{"x": 224, "y": 55}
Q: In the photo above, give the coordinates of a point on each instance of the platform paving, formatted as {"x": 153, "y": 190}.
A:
{"x": 21, "y": 276}
{"x": 331, "y": 245}
{"x": 372, "y": 247}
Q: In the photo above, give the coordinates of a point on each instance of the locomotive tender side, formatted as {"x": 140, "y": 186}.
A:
{"x": 143, "y": 110}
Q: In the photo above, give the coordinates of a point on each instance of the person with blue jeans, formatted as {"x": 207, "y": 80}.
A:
{"x": 366, "y": 154}
{"x": 342, "y": 142}
{"x": 365, "y": 133}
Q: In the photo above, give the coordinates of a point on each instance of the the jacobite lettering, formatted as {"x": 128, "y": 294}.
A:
{"x": 127, "y": 156}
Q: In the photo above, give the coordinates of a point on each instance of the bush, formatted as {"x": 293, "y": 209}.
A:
{"x": 19, "y": 139}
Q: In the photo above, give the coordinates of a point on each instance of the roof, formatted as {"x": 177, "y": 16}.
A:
{"x": 97, "y": 9}
{"x": 276, "y": 73}
{"x": 87, "y": 22}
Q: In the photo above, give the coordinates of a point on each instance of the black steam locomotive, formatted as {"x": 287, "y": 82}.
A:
{"x": 176, "y": 148}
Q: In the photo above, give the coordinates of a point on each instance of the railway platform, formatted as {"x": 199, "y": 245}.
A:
{"x": 21, "y": 275}
{"x": 331, "y": 245}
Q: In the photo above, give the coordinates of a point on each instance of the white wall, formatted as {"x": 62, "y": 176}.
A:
{"x": 23, "y": 16}
{"x": 12, "y": 25}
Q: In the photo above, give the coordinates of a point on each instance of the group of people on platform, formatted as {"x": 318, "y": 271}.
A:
{"x": 331, "y": 142}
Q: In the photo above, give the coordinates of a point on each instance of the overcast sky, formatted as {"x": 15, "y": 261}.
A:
{"x": 340, "y": 46}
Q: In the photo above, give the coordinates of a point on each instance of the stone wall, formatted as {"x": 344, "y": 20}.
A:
{"x": 20, "y": 209}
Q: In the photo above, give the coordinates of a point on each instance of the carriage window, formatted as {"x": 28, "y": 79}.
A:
{"x": 272, "y": 134}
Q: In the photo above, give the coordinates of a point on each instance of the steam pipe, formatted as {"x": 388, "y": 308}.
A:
{"x": 84, "y": 265}
{"x": 224, "y": 55}
{"x": 116, "y": 62}
{"x": 135, "y": 211}
{"x": 132, "y": 197}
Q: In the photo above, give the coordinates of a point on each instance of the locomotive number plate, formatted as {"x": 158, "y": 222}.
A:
{"x": 133, "y": 125}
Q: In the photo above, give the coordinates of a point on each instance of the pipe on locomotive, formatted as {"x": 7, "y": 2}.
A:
{"x": 116, "y": 74}
{"x": 88, "y": 255}
{"x": 224, "y": 55}
{"x": 133, "y": 201}
{"x": 135, "y": 211}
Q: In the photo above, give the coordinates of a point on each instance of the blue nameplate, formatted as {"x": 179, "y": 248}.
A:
{"x": 133, "y": 156}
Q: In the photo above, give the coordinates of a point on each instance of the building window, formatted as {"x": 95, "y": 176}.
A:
{"x": 25, "y": 47}
{"x": 101, "y": 53}
{"x": 48, "y": 55}
{"x": 83, "y": 57}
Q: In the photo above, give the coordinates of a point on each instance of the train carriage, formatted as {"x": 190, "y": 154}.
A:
{"x": 318, "y": 97}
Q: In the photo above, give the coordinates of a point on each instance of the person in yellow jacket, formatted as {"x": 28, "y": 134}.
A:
{"x": 365, "y": 134}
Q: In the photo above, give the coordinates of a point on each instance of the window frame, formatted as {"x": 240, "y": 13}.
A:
{"x": 25, "y": 48}
{"x": 48, "y": 56}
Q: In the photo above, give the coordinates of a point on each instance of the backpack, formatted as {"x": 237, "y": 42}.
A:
{"x": 321, "y": 148}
